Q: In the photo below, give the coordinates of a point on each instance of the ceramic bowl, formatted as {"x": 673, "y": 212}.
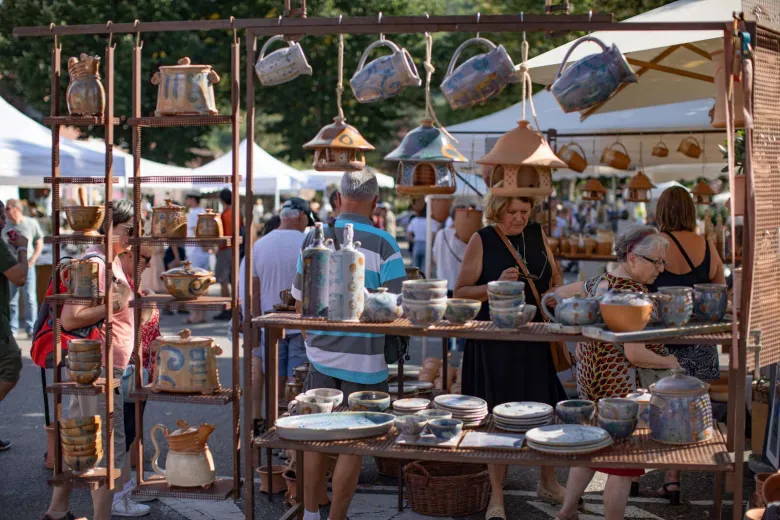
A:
{"x": 433, "y": 413}
{"x": 525, "y": 315}
{"x": 80, "y": 440}
{"x": 504, "y": 318}
{"x": 576, "y": 411}
{"x": 337, "y": 396}
{"x": 424, "y": 284}
{"x": 424, "y": 294}
{"x": 771, "y": 489}
{"x": 506, "y": 288}
{"x": 710, "y": 301}
{"x": 81, "y": 451}
{"x": 85, "y": 377}
{"x": 618, "y": 429}
{"x": 82, "y": 464}
{"x": 506, "y": 304}
{"x": 445, "y": 429}
{"x": 87, "y": 429}
{"x": 368, "y": 401}
{"x": 411, "y": 425}
{"x": 461, "y": 311}
{"x": 618, "y": 408}
{"x": 626, "y": 318}
{"x": 83, "y": 367}
{"x": 501, "y": 297}
{"x": 85, "y": 220}
{"x": 424, "y": 314}
{"x": 76, "y": 422}
{"x": 87, "y": 346}
{"x": 675, "y": 305}
{"x": 85, "y": 358}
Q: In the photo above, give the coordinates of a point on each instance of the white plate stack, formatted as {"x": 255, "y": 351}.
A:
{"x": 471, "y": 410}
{"x": 409, "y": 406}
{"x": 519, "y": 417}
{"x": 568, "y": 439}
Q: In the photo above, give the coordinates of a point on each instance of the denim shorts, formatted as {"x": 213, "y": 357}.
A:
{"x": 292, "y": 353}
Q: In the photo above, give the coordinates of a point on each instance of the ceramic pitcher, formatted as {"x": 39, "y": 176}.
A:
{"x": 386, "y": 76}
{"x": 480, "y": 77}
{"x": 710, "y": 301}
{"x": 347, "y": 280}
{"x": 86, "y": 95}
{"x": 189, "y": 462}
{"x": 615, "y": 158}
{"x": 574, "y": 156}
{"x": 81, "y": 276}
{"x": 316, "y": 265}
{"x": 282, "y": 65}
{"x": 592, "y": 79}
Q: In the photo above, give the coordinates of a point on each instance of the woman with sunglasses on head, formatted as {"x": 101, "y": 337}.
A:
{"x": 609, "y": 370}
{"x": 507, "y": 371}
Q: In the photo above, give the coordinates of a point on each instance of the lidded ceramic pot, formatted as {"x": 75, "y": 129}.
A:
{"x": 316, "y": 267}
{"x": 187, "y": 282}
{"x": 680, "y": 410}
{"x": 86, "y": 95}
{"x": 185, "y": 89}
{"x": 338, "y": 147}
{"x": 169, "y": 220}
{"x": 639, "y": 188}
{"x": 209, "y": 225}
{"x": 347, "y": 280}
{"x": 189, "y": 462}
{"x": 186, "y": 364}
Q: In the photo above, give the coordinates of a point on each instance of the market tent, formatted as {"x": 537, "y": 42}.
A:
{"x": 672, "y": 66}
{"x": 319, "y": 181}
{"x": 270, "y": 177}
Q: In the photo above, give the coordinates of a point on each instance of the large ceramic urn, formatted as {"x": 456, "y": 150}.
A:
{"x": 189, "y": 462}
{"x": 680, "y": 410}
{"x": 186, "y": 364}
{"x": 347, "y": 279}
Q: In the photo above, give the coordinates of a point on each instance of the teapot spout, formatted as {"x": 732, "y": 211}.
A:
{"x": 204, "y": 431}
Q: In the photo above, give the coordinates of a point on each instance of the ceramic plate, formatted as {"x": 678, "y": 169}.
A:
{"x": 409, "y": 370}
{"x": 411, "y": 404}
{"x": 334, "y": 426}
{"x": 523, "y": 410}
{"x": 536, "y": 420}
{"x": 518, "y": 427}
{"x": 411, "y": 387}
{"x": 484, "y": 440}
{"x": 566, "y": 435}
{"x": 460, "y": 402}
{"x": 570, "y": 450}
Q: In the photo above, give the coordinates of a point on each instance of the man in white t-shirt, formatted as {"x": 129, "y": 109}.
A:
{"x": 415, "y": 233}
{"x": 448, "y": 251}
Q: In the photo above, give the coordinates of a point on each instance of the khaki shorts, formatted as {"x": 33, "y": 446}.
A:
{"x": 10, "y": 360}
{"x": 83, "y": 405}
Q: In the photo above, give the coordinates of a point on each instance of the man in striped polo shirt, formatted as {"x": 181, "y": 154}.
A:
{"x": 353, "y": 361}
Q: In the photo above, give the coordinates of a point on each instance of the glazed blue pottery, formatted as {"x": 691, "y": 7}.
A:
{"x": 506, "y": 288}
{"x": 592, "y": 79}
{"x": 461, "y": 311}
{"x": 680, "y": 410}
{"x": 347, "y": 280}
{"x": 574, "y": 311}
{"x": 411, "y": 425}
{"x": 509, "y": 303}
{"x": 386, "y": 76}
{"x": 504, "y": 318}
{"x": 618, "y": 429}
{"x": 381, "y": 307}
{"x": 618, "y": 408}
{"x": 368, "y": 401}
{"x": 423, "y": 314}
{"x": 710, "y": 301}
{"x": 424, "y": 294}
{"x": 642, "y": 397}
{"x": 480, "y": 77}
{"x": 445, "y": 429}
{"x": 433, "y": 413}
{"x": 525, "y": 315}
{"x": 675, "y": 305}
{"x": 316, "y": 267}
{"x": 576, "y": 411}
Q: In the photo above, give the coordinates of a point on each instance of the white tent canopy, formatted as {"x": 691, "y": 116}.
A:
{"x": 687, "y": 51}
{"x": 319, "y": 181}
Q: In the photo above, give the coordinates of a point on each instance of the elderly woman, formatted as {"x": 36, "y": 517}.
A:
{"x": 506, "y": 371}
{"x": 607, "y": 369}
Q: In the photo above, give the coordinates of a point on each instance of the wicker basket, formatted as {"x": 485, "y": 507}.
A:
{"x": 388, "y": 467}
{"x": 447, "y": 488}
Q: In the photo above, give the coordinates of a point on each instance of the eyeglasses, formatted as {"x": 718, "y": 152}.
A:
{"x": 147, "y": 259}
{"x": 659, "y": 264}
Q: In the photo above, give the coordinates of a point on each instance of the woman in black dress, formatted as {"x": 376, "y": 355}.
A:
{"x": 508, "y": 371}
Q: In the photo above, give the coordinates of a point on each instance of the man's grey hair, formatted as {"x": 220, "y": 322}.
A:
{"x": 640, "y": 240}
{"x": 360, "y": 186}
{"x": 288, "y": 213}
{"x": 14, "y": 204}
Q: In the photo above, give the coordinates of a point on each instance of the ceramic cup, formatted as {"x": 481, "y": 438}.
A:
{"x": 461, "y": 311}
{"x": 675, "y": 304}
{"x": 617, "y": 428}
{"x": 505, "y": 303}
{"x": 433, "y": 413}
{"x": 506, "y": 288}
{"x": 710, "y": 301}
{"x": 445, "y": 429}
{"x": 411, "y": 425}
{"x": 309, "y": 404}
{"x": 385, "y": 76}
{"x": 331, "y": 393}
{"x": 576, "y": 411}
{"x": 525, "y": 315}
{"x": 282, "y": 65}
{"x": 618, "y": 408}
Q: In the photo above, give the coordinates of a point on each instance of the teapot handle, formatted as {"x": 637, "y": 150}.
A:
{"x": 65, "y": 264}
{"x": 371, "y": 47}
{"x": 268, "y": 43}
{"x": 154, "y": 430}
{"x": 472, "y": 41}
{"x": 545, "y": 299}
{"x": 571, "y": 49}
{"x": 156, "y": 78}
{"x": 691, "y": 138}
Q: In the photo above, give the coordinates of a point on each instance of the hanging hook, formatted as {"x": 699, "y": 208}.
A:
{"x": 56, "y": 37}
{"x": 279, "y": 21}
{"x": 110, "y": 32}
{"x": 136, "y": 25}
{"x": 590, "y": 18}
{"x": 379, "y": 21}
{"x": 479, "y": 15}
{"x": 522, "y": 21}
{"x": 235, "y": 31}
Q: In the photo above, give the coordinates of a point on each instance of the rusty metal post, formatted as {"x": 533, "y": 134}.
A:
{"x": 108, "y": 121}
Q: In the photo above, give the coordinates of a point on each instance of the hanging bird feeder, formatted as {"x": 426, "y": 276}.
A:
{"x": 702, "y": 193}
{"x": 639, "y": 188}
{"x": 593, "y": 190}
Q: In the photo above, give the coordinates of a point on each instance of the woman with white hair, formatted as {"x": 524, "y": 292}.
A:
{"x": 609, "y": 370}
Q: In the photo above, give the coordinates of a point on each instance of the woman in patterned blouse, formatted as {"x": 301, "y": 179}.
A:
{"x": 608, "y": 370}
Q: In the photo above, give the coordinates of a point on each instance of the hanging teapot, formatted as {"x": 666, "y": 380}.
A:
{"x": 592, "y": 79}
{"x": 575, "y": 311}
{"x": 189, "y": 462}
{"x": 386, "y": 76}
{"x": 480, "y": 77}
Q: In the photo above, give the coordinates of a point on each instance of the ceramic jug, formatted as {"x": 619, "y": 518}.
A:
{"x": 480, "y": 77}
{"x": 81, "y": 276}
{"x": 282, "y": 65}
{"x": 574, "y": 311}
{"x": 690, "y": 147}
{"x": 189, "y": 462}
{"x": 386, "y": 76}
{"x": 574, "y": 156}
{"x": 209, "y": 225}
{"x": 85, "y": 95}
{"x": 592, "y": 79}
{"x": 347, "y": 280}
{"x": 316, "y": 266}
{"x": 615, "y": 158}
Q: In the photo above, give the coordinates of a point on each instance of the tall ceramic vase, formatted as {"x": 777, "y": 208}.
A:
{"x": 347, "y": 280}
{"x": 316, "y": 260}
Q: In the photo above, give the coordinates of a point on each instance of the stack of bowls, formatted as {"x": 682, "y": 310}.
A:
{"x": 84, "y": 360}
{"x": 506, "y": 300}
{"x": 410, "y": 406}
{"x": 424, "y": 301}
{"x": 619, "y": 416}
{"x": 82, "y": 446}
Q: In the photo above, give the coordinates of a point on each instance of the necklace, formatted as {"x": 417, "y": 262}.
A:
{"x": 525, "y": 260}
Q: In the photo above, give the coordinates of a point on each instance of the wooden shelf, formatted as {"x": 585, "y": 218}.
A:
{"x": 174, "y": 121}
{"x": 77, "y": 120}
{"x": 77, "y": 180}
{"x": 165, "y": 301}
{"x": 74, "y": 239}
{"x": 94, "y": 480}
{"x": 73, "y": 388}
{"x": 189, "y": 179}
{"x": 76, "y": 300}
{"x": 184, "y": 241}
{"x": 220, "y": 398}
{"x": 156, "y": 487}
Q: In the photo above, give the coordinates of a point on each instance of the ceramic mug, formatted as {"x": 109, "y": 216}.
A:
{"x": 310, "y": 404}
{"x": 282, "y": 65}
{"x": 480, "y": 77}
{"x": 287, "y": 298}
{"x": 386, "y": 76}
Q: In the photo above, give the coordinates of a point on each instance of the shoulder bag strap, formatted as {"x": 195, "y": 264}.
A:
{"x": 556, "y": 279}
{"x": 520, "y": 264}
{"x": 332, "y": 227}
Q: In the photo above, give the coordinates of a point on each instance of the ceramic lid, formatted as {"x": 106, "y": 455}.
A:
{"x": 209, "y": 213}
{"x": 185, "y": 337}
{"x": 339, "y": 135}
{"x": 185, "y": 65}
{"x": 169, "y": 205}
{"x": 593, "y": 184}
{"x": 187, "y": 270}
{"x": 702, "y": 188}
{"x": 426, "y": 143}
{"x": 680, "y": 385}
{"x": 641, "y": 395}
{"x": 522, "y": 146}
{"x": 184, "y": 428}
{"x": 640, "y": 181}
{"x": 617, "y": 297}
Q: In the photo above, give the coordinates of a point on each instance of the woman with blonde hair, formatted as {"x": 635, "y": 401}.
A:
{"x": 508, "y": 371}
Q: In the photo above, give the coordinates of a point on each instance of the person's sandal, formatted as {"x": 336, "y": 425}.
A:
{"x": 673, "y": 495}
{"x": 495, "y": 513}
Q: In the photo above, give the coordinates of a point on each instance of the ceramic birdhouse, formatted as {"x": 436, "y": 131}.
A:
{"x": 702, "y": 193}
{"x": 593, "y": 190}
{"x": 425, "y": 158}
{"x": 524, "y": 161}
{"x": 338, "y": 147}
{"x": 639, "y": 188}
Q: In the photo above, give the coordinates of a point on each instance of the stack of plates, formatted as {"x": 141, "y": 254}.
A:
{"x": 568, "y": 439}
{"x": 410, "y": 406}
{"x": 471, "y": 410}
{"x": 522, "y": 416}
